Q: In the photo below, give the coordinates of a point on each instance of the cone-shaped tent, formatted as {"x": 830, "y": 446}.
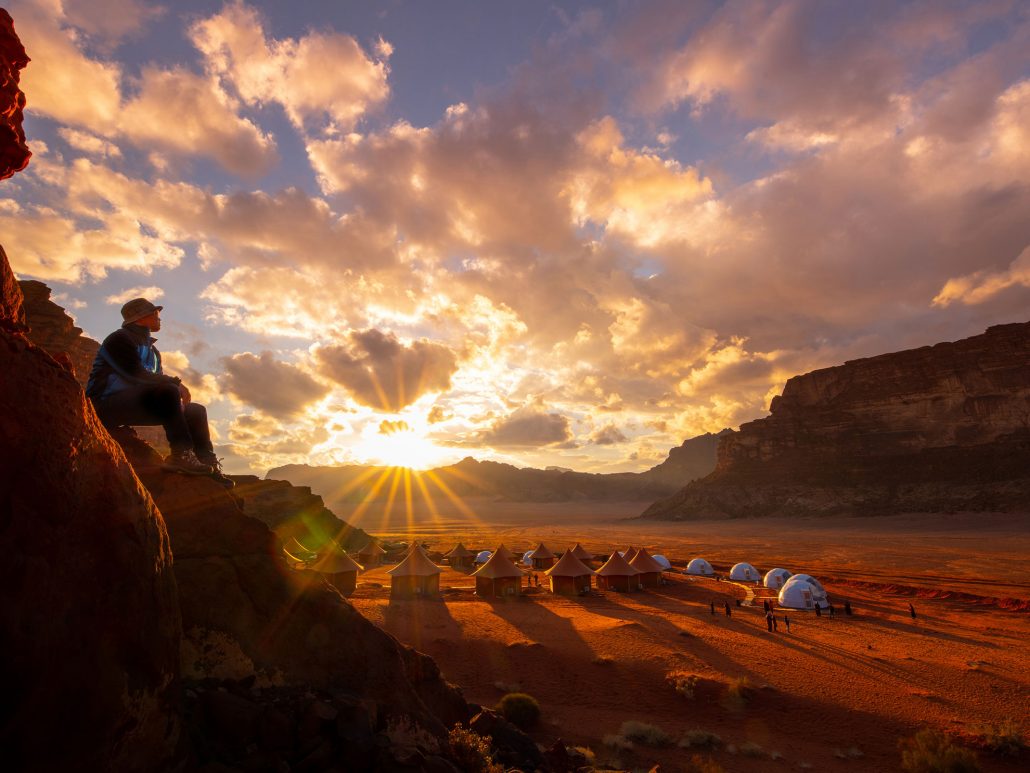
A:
{"x": 460, "y": 557}
{"x": 630, "y": 553}
{"x": 700, "y": 567}
{"x": 300, "y": 550}
{"x": 617, "y": 574}
{"x": 775, "y": 578}
{"x": 340, "y": 569}
{"x": 744, "y": 572}
{"x": 416, "y": 575}
{"x": 371, "y": 555}
{"x": 581, "y": 553}
{"x": 542, "y": 557}
{"x": 498, "y": 577}
{"x": 569, "y": 576}
{"x": 506, "y": 553}
{"x": 650, "y": 570}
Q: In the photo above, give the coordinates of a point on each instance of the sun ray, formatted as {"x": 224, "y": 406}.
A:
{"x": 458, "y": 501}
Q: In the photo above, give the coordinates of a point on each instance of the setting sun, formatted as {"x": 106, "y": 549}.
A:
{"x": 402, "y": 448}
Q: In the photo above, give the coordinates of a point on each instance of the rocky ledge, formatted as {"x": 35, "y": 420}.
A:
{"x": 935, "y": 429}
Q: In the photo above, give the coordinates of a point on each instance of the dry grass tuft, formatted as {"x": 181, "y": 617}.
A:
{"x": 471, "y": 751}
{"x": 603, "y": 660}
{"x": 705, "y": 765}
{"x": 931, "y": 751}
{"x": 1006, "y": 738}
{"x": 683, "y": 682}
{"x": 700, "y": 738}
{"x": 851, "y": 753}
{"x": 617, "y": 742}
{"x": 649, "y": 735}
{"x": 751, "y": 749}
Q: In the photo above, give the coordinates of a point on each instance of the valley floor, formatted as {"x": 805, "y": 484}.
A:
{"x": 833, "y": 694}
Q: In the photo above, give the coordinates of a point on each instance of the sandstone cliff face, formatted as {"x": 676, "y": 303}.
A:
{"x": 51, "y": 328}
{"x": 14, "y": 153}
{"x": 939, "y": 428}
{"x": 87, "y": 593}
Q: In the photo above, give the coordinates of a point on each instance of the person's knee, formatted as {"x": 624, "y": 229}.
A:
{"x": 195, "y": 412}
{"x": 163, "y": 400}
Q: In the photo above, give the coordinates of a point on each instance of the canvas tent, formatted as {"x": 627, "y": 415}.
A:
{"x": 799, "y": 593}
{"x": 581, "y": 553}
{"x": 339, "y": 569}
{"x": 460, "y": 557}
{"x": 542, "y": 557}
{"x": 616, "y": 574}
{"x": 498, "y": 577}
{"x": 415, "y": 576}
{"x": 650, "y": 570}
{"x": 700, "y": 567}
{"x": 371, "y": 555}
{"x": 505, "y": 552}
{"x": 662, "y": 561}
{"x": 744, "y": 572}
{"x": 569, "y": 576}
{"x": 775, "y": 578}
{"x": 630, "y": 553}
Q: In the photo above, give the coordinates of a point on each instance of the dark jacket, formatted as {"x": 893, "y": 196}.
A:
{"x": 127, "y": 358}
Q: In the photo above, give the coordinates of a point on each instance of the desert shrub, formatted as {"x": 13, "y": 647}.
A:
{"x": 587, "y": 753}
{"x": 705, "y": 765}
{"x": 931, "y": 751}
{"x": 1006, "y": 738}
{"x": 604, "y": 660}
{"x": 520, "y": 709}
{"x": 507, "y": 687}
{"x": 682, "y": 682}
{"x": 617, "y": 742}
{"x": 471, "y": 751}
{"x": 700, "y": 738}
{"x": 751, "y": 749}
{"x": 649, "y": 735}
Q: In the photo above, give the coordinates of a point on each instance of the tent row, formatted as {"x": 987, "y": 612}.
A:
{"x": 795, "y": 591}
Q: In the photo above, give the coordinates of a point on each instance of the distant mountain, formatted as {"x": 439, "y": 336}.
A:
{"x": 941, "y": 428}
{"x": 352, "y": 484}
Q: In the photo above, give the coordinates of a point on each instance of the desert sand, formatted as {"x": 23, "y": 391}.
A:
{"x": 832, "y": 694}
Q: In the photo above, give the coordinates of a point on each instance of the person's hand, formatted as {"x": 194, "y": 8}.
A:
{"x": 184, "y": 393}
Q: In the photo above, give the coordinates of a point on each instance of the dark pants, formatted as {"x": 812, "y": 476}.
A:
{"x": 146, "y": 406}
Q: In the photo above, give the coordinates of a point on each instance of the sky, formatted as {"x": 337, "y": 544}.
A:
{"x": 543, "y": 233}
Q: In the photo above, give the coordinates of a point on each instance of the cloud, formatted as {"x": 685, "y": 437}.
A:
{"x": 203, "y": 387}
{"x": 387, "y": 427}
{"x": 172, "y": 110}
{"x": 88, "y": 143}
{"x": 981, "y": 286}
{"x": 381, "y": 372}
{"x": 151, "y": 293}
{"x": 607, "y": 436}
{"x": 293, "y": 72}
{"x": 110, "y": 21}
{"x": 277, "y": 388}
{"x": 527, "y": 427}
{"x": 437, "y": 414}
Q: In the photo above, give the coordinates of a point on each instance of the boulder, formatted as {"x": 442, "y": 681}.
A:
{"x": 87, "y": 593}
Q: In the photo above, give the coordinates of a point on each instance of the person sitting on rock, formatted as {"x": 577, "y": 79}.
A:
{"x": 129, "y": 387}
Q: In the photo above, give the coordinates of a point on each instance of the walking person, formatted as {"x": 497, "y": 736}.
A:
{"x": 711, "y": 604}
{"x": 728, "y": 612}
{"x": 776, "y": 627}
{"x": 769, "y": 621}
{"x": 818, "y": 611}
{"x": 912, "y": 610}
{"x": 786, "y": 622}
{"x": 847, "y": 608}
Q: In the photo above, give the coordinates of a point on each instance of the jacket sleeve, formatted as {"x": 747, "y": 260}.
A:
{"x": 124, "y": 357}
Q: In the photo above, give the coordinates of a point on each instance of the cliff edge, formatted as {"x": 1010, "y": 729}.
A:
{"x": 936, "y": 429}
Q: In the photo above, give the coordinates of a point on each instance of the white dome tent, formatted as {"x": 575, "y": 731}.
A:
{"x": 483, "y": 556}
{"x": 666, "y": 564}
{"x": 775, "y": 578}
{"x": 700, "y": 567}
{"x": 810, "y": 580}
{"x": 527, "y": 558}
{"x": 799, "y": 593}
{"x": 744, "y": 572}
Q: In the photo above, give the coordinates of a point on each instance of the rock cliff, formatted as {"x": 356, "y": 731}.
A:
{"x": 939, "y": 428}
{"x": 14, "y": 153}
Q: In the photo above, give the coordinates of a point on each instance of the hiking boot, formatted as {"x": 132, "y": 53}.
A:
{"x": 186, "y": 461}
{"x": 217, "y": 473}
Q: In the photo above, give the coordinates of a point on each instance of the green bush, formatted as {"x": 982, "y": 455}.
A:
{"x": 931, "y": 751}
{"x": 520, "y": 709}
{"x": 471, "y": 751}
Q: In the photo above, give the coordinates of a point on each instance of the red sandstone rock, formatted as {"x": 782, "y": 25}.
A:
{"x": 51, "y": 328}
{"x": 88, "y": 604}
{"x": 14, "y": 153}
{"x": 12, "y": 308}
{"x": 939, "y": 428}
